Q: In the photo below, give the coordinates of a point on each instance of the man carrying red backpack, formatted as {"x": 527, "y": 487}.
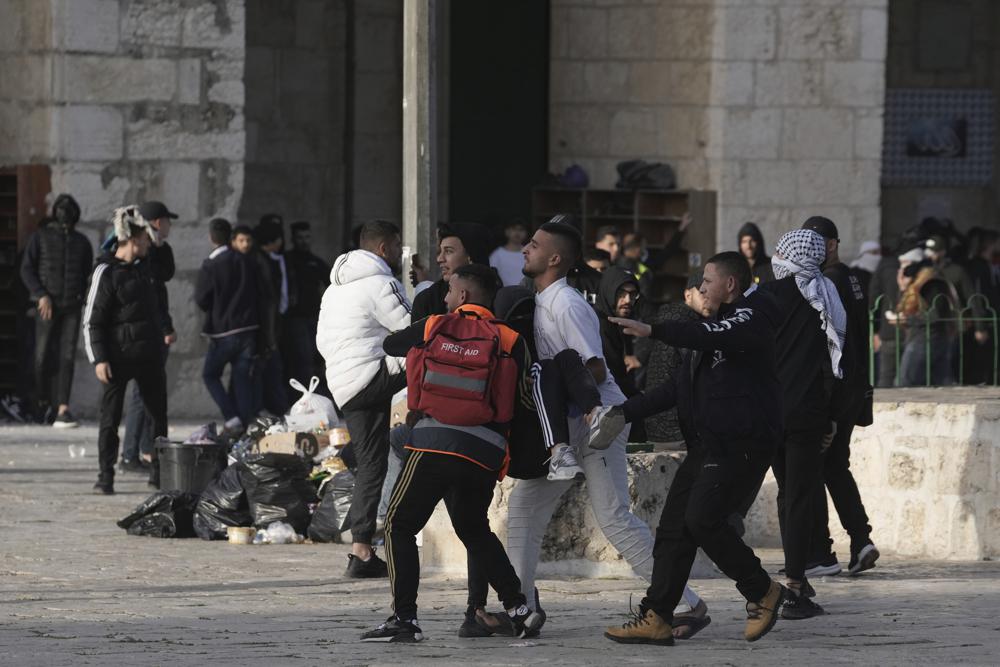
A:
{"x": 462, "y": 374}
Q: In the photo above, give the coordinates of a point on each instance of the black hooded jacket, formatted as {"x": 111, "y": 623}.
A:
{"x": 57, "y": 261}
{"x": 735, "y": 402}
{"x": 615, "y": 343}
{"x": 121, "y": 319}
{"x": 761, "y": 269}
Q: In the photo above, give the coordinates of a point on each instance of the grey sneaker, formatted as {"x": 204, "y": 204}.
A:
{"x": 563, "y": 464}
{"x": 606, "y": 423}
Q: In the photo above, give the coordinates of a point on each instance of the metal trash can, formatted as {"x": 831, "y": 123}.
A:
{"x": 189, "y": 467}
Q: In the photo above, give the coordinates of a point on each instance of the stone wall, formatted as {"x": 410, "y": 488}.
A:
{"x": 129, "y": 100}
{"x": 295, "y": 110}
{"x": 776, "y": 104}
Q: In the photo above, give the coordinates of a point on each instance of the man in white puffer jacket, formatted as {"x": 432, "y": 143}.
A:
{"x": 362, "y": 305}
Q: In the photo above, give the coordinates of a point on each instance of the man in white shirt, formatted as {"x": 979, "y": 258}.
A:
{"x": 564, "y": 320}
{"x": 507, "y": 259}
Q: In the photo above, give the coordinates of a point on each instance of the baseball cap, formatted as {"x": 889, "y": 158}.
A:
{"x": 822, "y": 226}
{"x": 154, "y": 210}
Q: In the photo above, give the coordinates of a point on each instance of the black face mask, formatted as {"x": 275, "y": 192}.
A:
{"x": 67, "y": 215}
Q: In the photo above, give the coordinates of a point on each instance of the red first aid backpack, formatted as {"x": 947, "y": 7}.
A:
{"x": 463, "y": 373}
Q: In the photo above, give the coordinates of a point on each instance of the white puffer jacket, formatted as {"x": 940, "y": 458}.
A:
{"x": 363, "y": 304}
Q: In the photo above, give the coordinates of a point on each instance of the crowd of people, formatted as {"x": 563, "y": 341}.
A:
{"x": 540, "y": 359}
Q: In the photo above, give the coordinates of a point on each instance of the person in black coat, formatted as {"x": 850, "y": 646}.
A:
{"x": 730, "y": 398}
{"x": 123, "y": 337}
{"x": 751, "y": 243}
{"x": 54, "y": 269}
{"x": 312, "y": 277}
{"x": 459, "y": 244}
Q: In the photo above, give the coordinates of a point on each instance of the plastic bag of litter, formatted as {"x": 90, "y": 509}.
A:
{"x": 312, "y": 411}
{"x": 223, "y": 503}
{"x": 330, "y": 517}
{"x": 163, "y": 514}
{"x": 277, "y": 489}
{"x": 278, "y": 532}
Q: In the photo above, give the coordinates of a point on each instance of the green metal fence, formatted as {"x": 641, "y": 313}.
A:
{"x": 965, "y": 319}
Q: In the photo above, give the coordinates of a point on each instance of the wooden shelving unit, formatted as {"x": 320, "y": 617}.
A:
{"x": 656, "y": 214}
{"x": 22, "y": 205}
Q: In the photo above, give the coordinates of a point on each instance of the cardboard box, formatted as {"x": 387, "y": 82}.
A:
{"x": 303, "y": 444}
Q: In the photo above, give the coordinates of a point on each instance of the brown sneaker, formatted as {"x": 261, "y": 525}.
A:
{"x": 648, "y": 628}
{"x": 762, "y": 615}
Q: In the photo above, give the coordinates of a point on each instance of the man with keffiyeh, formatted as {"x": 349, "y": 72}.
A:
{"x": 809, "y": 347}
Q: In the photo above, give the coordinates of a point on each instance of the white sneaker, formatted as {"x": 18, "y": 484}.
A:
{"x": 563, "y": 464}
{"x": 606, "y": 423}
{"x": 234, "y": 424}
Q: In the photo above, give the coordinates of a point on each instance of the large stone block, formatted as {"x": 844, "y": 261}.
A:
{"x": 820, "y": 33}
{"x": 97, "y": 192}
{"x": 632, "y": 32}
{"x": 225, "y": 81}
{"x": 605, "y": 82}
{"x": 856, "y": 83}
{"x": 690, "y": 82}
{"x": 868, "y": 129}
{"x": 633, "y": 131}
{"x": 89, "y": 132}
{"x": 684, "y": 32}
{"x": 732, "y": 83}
{"x": 751, "y": 133}
{"x": 153, "y": 22}
{"x": 579, "y": 130}
{"x": 682, "y": 132}
{"x": 167, "y": 140}
{"x": 825, "y": 181}
{"x": 110, "y": 80}
{"x": 12, "y": 25}
{"x": 26, "y": 77}
{"x": 566, "y": 82}
{"x": 818, "y": 133}
{"x": 187, "y": 317}
{"x": 874, "y": 34}
{"x": 771, "y": 183}
{"x": 788, "y": 83}
{"x": 906, "y": 470}
{"x": 744, "y": 33}
{"x": 85, "y": 25}
{"x": 189, "y": 82}
{"x": 219, "y": 25}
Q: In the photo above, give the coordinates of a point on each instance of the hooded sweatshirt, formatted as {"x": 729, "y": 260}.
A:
{"x": 362, "y": 305}
{"x": 761, "y": 268}
{"x": 616, "y": 344}
{"x": 57, "y": 260}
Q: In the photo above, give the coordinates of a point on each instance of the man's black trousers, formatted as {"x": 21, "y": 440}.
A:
{"x": 151, "y": 380}
{"x": 367, "y": 417}
{"x": 846, "y": 498}
{"x": 707, "y": 489}
{"x": 55, "y": 354}
{"x": 427, "y": 477}
{"x": 798, "y": 471}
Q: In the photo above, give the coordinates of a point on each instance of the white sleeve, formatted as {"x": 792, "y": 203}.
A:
{"x": 581, "y": 330}
{"x": 392, "y": 308}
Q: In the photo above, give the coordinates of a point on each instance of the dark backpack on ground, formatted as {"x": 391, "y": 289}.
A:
{"x": 642, "y": 175}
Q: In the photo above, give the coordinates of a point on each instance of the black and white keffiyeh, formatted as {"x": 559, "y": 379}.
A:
{"x": 800, "y": 253}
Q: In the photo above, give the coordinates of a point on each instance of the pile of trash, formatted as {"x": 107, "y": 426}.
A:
{"x": 289, "y": 478}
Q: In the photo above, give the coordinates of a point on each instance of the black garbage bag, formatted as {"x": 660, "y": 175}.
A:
{"x": 277, "y": 490}
{"x": 329, "y": 519}
{"x": 163, "y": 514}
{"x": 642, "y": 175}
{"x": 222, "y": 504}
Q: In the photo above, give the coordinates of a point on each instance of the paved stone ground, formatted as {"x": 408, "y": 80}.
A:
{"x": 75, "y": 590}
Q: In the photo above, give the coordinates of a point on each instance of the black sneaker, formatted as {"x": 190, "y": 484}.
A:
{"x": 105, "y": 486}
{"x": 395, "y": 630}
{"x": 470, "y": 628}
{"x": 373, "y": 568}
{"x": 541, "y": 612}
{"x": 524, "y": 620}
{"x": 495, "y": 623}
{"x": 863, "y": 560}
{"x": 807, "y": 589}
{"x": 134, "y": 465}
{"x": 797, "y": 607}
{"x": 65, "y": 420}
{"x": 827, "y": 567}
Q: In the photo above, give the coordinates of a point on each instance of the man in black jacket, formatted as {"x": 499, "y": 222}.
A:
{"x": 751, "y": 242}
{"x": 852, "y": 394}
{"x": 159, "y": 262}
{"x": 272, "y": 386}
{"x": 459, "y": 244}
{"x": 54, "y": 269}
{"x": 123, "y": 336}
{"x": 734, "y": 402}
{"x": 228, "y": 290}
{"x": 809, "y": 345}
